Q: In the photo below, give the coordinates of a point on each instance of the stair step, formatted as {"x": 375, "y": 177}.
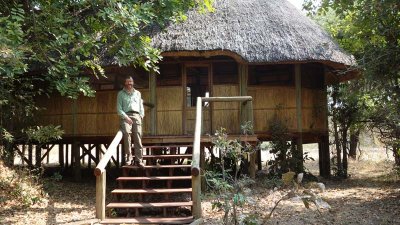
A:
{"x": 168, "y": 146}
{"x": 158, "y": 166}
{"x": 148, "y": 204}
{"x": 151, "y": 191}
{"x": 154, "y": 178}
{"x": 167, "y": 156}
{"x": 148, "y": 220}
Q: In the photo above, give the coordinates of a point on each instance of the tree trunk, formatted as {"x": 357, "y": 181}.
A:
{"x": 336, "y": 132}
{"x": 354, "y": 140}
{"x": 396, "y": 154}
{"x": 344, "y": 147}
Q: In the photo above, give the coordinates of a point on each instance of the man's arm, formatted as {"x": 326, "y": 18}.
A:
{"x": 141, "y": 109}
{"x": 120, "y": 112}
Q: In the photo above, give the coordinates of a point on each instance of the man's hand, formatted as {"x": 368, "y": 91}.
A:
{"x": 128, "y": 120}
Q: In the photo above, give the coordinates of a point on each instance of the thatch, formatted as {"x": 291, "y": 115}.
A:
{"x": 260, "y": 31}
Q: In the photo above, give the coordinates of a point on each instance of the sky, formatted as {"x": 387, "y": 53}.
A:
{"x": 297, "y": 3}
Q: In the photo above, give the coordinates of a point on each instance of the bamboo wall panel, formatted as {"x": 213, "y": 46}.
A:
{"x": 269, "y": 97}
{"x": 225, "y": 91}
{"x": 146, "y": 120}
{"x": 262, "y": 118}
{"x": 226, "y": 114}
{"x": 107, "y": 124}
{"x": 313, "y": 98}
{"x": 67, "y": 124}
{"x": 269, "y": 101}
{"x": 169, "y": 110}
{"x": 191, "y": 120}
{"x": 67, "y": 104}
{"x": 87, "y": 104}
{"x": 169, "y": 123}
{"x": 314, "y": 119}
{"x": 228, "y": 119}
{"x": 169, "y": 98}
{"x": 106, "y": 101}
{"x": 95, "y": 116}
{"x": 87, "y": 124}
{"x": 51, "y": 106}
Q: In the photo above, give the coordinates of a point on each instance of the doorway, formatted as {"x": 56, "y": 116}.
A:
{"x": 197, "y": 83}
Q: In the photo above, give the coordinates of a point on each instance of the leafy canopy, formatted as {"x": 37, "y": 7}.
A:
{"x": 51, "y": 46}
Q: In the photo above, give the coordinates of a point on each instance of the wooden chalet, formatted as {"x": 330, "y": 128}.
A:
{"x": 265, "y": 49}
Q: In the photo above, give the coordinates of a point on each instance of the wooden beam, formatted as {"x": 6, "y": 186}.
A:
{"x": 61, "y": 155}
{"x": 211, "y": 93}
{"x": 30, "y": 150}
{"x": 205, "y": 54}
{"x": 88, "y": 152}
{"x": 153, "y": 100}
{"x": 101, "y": 196}
{"x": 299, "y": 116}
{"x": 323, "y": 144}
{"x": 107, "y": 156}
{"x": 77, "y": 162}
{"x": 38, "y": 155}
{"x": 22, "y": 155}
{"x": 184, "y": 84}
{"x": 195, "y": 169}
{"x": 227, "y": 99}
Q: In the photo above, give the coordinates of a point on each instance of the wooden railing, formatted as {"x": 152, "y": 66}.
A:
{"x": 247, "y": 115}
{"x": 100, "y": 173}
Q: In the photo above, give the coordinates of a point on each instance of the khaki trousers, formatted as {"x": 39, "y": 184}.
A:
{"x": 134, "y": 131}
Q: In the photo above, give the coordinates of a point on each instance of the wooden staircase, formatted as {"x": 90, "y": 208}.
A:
{"x": 159, "y": 193}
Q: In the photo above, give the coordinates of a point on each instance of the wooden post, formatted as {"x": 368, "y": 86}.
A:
{"x": 324, "y": 157}
{"x": 196, "y": 197}
{"x": 49, "y": 147}
{"x": 323, "y": 144}
{"x": 195, "y": 170}
{"x": 299, "y": 150}
{"x": 77, "y": 163}
{"x": 184, "y": 84}
{"x": 61, "y": 155}
{"x": 211, "y": 104}
{"x": 243, "y": 80}
{"x": 153, "y": 100}
{"x": 67, "y": 158}
{"x": 253, "y": 155}
{"x": 202, "y": 165}
{"x": 38, "y": 155}
{"x": 23, "y": 153}
{"x": 101, "y": 196}
{"x": 252, "y": 165}
{"x": 30, "y": 150}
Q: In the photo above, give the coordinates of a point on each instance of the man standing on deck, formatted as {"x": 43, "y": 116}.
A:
{"x": 131, "y": 111}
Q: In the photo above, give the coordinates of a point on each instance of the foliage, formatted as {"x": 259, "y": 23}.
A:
{"x": 20, "y": 186}
{"x": 285, "y": 159}
{"x": 226, "y": 182}
{"x": 370, "y": 30}
{"x": 43, "y": 134}
{"x": 57, "y": 46}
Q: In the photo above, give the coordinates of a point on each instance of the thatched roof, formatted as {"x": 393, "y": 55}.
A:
{"x": 259, "y": 31}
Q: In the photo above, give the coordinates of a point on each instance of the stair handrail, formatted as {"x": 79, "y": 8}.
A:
{"x": 195, "y": 168}
{"x": 100, "y": 173}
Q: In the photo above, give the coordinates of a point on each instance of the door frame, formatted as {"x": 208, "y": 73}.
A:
{"x": 209, "y": 66}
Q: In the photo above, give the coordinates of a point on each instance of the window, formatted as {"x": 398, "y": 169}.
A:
{"x": 271, "y": 75}
{"x": 196, "y": 84}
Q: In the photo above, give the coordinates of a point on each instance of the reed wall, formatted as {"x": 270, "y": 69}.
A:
{"x": 94, "y": 116}
{"x": 280, "y": 102}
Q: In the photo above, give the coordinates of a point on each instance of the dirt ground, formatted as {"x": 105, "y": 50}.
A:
{"x": 370, "y": 196}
